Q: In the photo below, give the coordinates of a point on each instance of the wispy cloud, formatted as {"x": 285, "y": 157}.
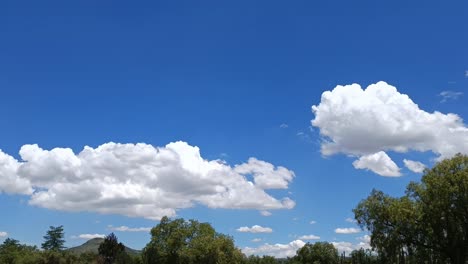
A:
{"x": 255, "y": 229}
{"x": 284, "y": 125}
{"x": 449, "y": 95}
{"x": 265, "y": 213}
{"x": 312, "y": 222}
{"x": 88, "y": 236}
{"x": 350, "y": 220}
{"x": 129, "y": 229}
{"x": 256, "y": 240}
{"x": 309, "y": 237}
{"x": 348, "y": 230}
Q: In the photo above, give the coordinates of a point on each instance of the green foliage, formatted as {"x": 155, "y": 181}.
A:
{"x": 111, "y": 251}
{"x": 261, "y": 260}
{"x": 362, "y": 256}
{"x": 189, "y": 242}
{"x": 53, "y": 240}
{"x": 429, "y": 223}
{"x": 12, "y": 252}
{"x": 319, "y": 252}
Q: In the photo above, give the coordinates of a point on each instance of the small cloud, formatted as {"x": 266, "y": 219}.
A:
{"x": 129, "y": 229}
{"x": 275, "y": 250}
{"x": 3, "y": 234}
{"x": 365, "y": 239}
{"x": 380, "y": 163}
{"x": 265, "y": 213}
{"x": 449, "y": 95}
{"x": 256, "y": 240}
{"x": 350, "y": 230}
{"x": 88, "y": 236}
{"x": 309, "y": 237}
{"x": 466, "y": 73}
{"x": 254, "y": 229}
{"x": 350, "y": 220}
{"x": 304, "y": 136}
{"x": 295, "y": 218}
{"x": 312, "y": 222}
{"x": 284, "y": 125}
{"x": 414, "y": 166}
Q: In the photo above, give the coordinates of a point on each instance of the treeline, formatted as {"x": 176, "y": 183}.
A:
{"x": 429, "y": 224}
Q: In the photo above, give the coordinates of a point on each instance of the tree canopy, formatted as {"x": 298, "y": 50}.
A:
{"x": 189, "y": 242}
{"x": 53, "y": 240}
{"x": 111, "y": 251}
{"x": 428, "y": 223}
{"x": 319, "y": 252}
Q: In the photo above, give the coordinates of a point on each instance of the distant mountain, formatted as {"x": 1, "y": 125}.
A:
{"x": 92, "y": 245}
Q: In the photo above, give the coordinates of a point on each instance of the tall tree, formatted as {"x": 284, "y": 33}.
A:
{"x": 111, "y": 250}
{"x": 429, "y": 223}
{"x": 319, "y": 252}
{"x": 53, "y": 240}
{"x": 189, "y": 242}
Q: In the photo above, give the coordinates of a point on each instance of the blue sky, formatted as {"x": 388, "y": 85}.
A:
{"x": 238, "y": 80}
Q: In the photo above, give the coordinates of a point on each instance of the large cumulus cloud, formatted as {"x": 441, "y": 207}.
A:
{"x": 365, "y": 122}
{"x": 139, "y": 180}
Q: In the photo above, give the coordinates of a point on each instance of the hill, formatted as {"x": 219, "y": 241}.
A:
{"x": 92, "y": 245}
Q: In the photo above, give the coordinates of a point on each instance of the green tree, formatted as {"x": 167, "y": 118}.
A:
{"x": 111, "y": 251}
{"x": 12, "y": 252}
{"x": 429, "y": 223}
{"x": 189, "y": 242}
{"x": 53, "y": 240}
{"x": 261, "y": 260}
{"x": 319, "y": 252}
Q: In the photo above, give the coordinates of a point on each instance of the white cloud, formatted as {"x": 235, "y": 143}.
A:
{"x": 360, "y": 122}
{"x": 309, "y": 237}
{"x": 265, "y": 213}
{"x": 350, "y": 220}
{"x": 348, "y": 230}
{"x": 449, "y": 95}
{"x": 3, "y": 234}
{"x": 365, "y": 239}
{"x": 312, "y": 222}
{"x": 265, "y": 175}
{"x": 254, "y": 229}
{"x": 256, "y": 240}
{"x": 10, "y": 182}
{"x": 140, "y": 180}
{"x": 379, "y": 163}
{"x": 348, "y": 247}
{"x": 284, "y": 125}
{"x": 275, "y": 250}
{"x": 414, "y": 166}
{"x": 89, "y": 236}
{"x": 129, "y": 229}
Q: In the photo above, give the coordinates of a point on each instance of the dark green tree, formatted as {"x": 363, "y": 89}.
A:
{"x": 53, "y": 240}
{"x": 111, "y": 251}
{"x": 428, "y": 224}
{"x": 319, "y": 252}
